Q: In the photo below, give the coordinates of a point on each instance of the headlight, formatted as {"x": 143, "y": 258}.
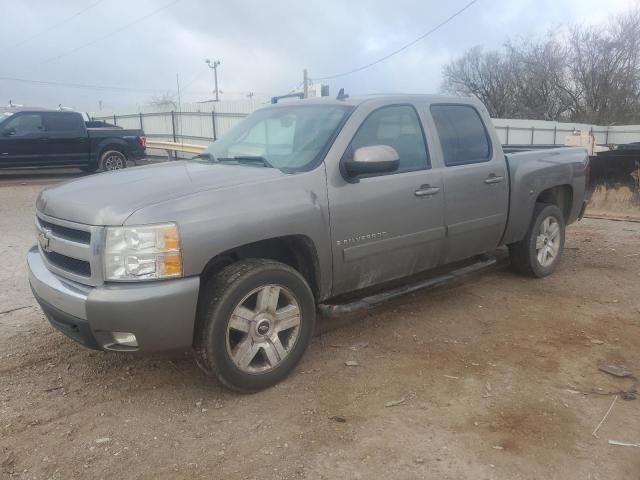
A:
{"x": 148, "y": 252}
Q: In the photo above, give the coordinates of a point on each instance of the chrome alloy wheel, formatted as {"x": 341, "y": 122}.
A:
{"x": 263, "y": 329}
{"x": 548, "y": 241}
{"x": 113, "y": 162}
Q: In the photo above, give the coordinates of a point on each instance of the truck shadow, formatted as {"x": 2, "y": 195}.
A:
{"x": 38, "y": 176}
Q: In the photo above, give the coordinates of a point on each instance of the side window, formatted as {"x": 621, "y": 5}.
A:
{"x": 463, "y": 138}
{"x": 63, "y": 122}
{"x": 24, "y": 124}
{"x": 398, "y": 127}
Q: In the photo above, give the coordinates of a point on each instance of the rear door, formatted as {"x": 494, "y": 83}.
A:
{"x": 391, "y": 225}
{"x": 23, "y": 140}
{"x": 476, "y": 190}
{"x": 67, "y": 138}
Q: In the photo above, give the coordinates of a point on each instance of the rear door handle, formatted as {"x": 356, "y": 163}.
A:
{"x": 493, "y": 178}
{"x": 426, "y": 191}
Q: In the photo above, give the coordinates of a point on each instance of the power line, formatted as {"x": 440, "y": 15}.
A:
{"x": 76, "y": 85}
{"x": 434, "y": 29}
{"x": 119, "y": 29}
{"x": 55, "y": 25}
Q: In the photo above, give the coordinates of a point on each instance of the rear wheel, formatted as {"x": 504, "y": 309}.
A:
{"x": 255, "y": 320}
{"x": 112, "y": 160}
{"x": 538, "y": 254}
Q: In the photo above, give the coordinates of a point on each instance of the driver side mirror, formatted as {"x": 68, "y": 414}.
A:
{"x": 373, "y": 159}
{"x": 9, "y": 132}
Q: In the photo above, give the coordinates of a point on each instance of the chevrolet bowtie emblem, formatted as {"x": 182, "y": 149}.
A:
{"x": 43, "y": 240}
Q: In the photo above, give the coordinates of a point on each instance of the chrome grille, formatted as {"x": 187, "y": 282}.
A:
{"x": 70, "y": 250}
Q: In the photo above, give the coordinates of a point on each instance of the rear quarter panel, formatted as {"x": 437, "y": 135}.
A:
{"x": 102, "y": 139}
{"x": 533, "y": 172}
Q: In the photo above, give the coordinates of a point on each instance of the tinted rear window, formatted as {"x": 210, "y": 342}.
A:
{"x": 462, "y": 134}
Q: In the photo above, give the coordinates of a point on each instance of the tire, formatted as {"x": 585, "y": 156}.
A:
{"x": 239, "y": 337}
{"x": 112, "y": 160}
{"x": 534, "y": 255}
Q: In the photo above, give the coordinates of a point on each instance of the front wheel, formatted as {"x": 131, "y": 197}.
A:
{"x": 538, "y": 253}
{"x": 255, "y": 320}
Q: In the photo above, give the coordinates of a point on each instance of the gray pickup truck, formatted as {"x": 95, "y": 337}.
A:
{"x": 234, "y": 252}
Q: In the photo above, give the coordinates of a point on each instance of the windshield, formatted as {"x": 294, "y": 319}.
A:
{"x": 288, "y": 138}
{"x": 4, "y": 115}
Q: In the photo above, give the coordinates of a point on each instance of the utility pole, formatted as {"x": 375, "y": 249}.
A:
{"x": 305, "y": 81}
{"x": 214, "y": 65}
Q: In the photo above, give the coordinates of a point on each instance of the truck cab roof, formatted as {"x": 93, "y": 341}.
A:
{"x": 382, "y": 98}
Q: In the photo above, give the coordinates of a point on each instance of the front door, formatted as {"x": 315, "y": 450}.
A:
{"x": 476, "y": 182}
{"x": 390, "y": 225}
{"x": 23, "y": 141}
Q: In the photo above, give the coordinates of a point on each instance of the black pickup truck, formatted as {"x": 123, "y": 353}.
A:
{"x": 55, "y": 138}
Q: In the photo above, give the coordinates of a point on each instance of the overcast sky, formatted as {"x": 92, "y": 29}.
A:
{"x": 263, "y": 45}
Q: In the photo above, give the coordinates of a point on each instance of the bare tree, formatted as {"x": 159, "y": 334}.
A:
{"x": 539, "y": 79}
{"x": 166, "y": 100}
{"x": 591, "y": 75}
{"x": 605, "y": 67}
{"x": 483, "y": 75}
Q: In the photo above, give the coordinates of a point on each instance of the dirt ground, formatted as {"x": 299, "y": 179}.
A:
{"x": 487, "y": 374}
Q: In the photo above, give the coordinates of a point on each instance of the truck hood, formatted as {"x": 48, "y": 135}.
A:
{"x": 110, "y": 198}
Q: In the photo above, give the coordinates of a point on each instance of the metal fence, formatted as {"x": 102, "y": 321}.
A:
{"x": 188, "y": 127}
{"x": 203, "y": 123}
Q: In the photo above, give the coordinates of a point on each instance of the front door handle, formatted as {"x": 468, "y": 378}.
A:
{"x": 493, "y": 178}
{"x": 426, "y": 191}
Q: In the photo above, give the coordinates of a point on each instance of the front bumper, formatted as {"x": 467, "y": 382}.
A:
{"x": 160, "y": 314}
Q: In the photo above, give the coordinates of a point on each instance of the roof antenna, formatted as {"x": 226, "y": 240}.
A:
{"x": 342, "y": 95}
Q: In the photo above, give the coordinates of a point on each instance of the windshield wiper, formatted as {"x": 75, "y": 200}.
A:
{"x": 247, "y": 159}
{"x": 205, "y": 156}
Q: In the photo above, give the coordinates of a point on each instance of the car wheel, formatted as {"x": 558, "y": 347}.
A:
{"x": 112, "y": 160}
{"x": 538, "y": 254}
{"x": 255, "y": 320}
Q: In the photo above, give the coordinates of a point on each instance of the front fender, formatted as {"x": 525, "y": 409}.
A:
{"x": 215, "y": 221}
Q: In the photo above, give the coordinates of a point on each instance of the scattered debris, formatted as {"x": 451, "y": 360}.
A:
{"x": 103, "y": 440}
{"x": 359, "y": 346}
{"x": 351, "y": 363}
{"x": 11, "y": 310}
{"x": 338, "y": 418}
{"x": 616, "y": 371}
{"x": 395, "y": 403}
{"x": 595, "y": 431}
{"x": 355, "y": 347}
{"x": 624, "y": 444}
{"x": 54, "y": 388}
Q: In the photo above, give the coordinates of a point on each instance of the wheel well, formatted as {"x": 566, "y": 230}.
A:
{"x": 560, "y": 196}
{"x": 113, "y": 146}
{"x": 297, "y": 251}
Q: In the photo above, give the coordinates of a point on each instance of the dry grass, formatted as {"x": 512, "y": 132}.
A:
{"x": 614, "y": 201}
